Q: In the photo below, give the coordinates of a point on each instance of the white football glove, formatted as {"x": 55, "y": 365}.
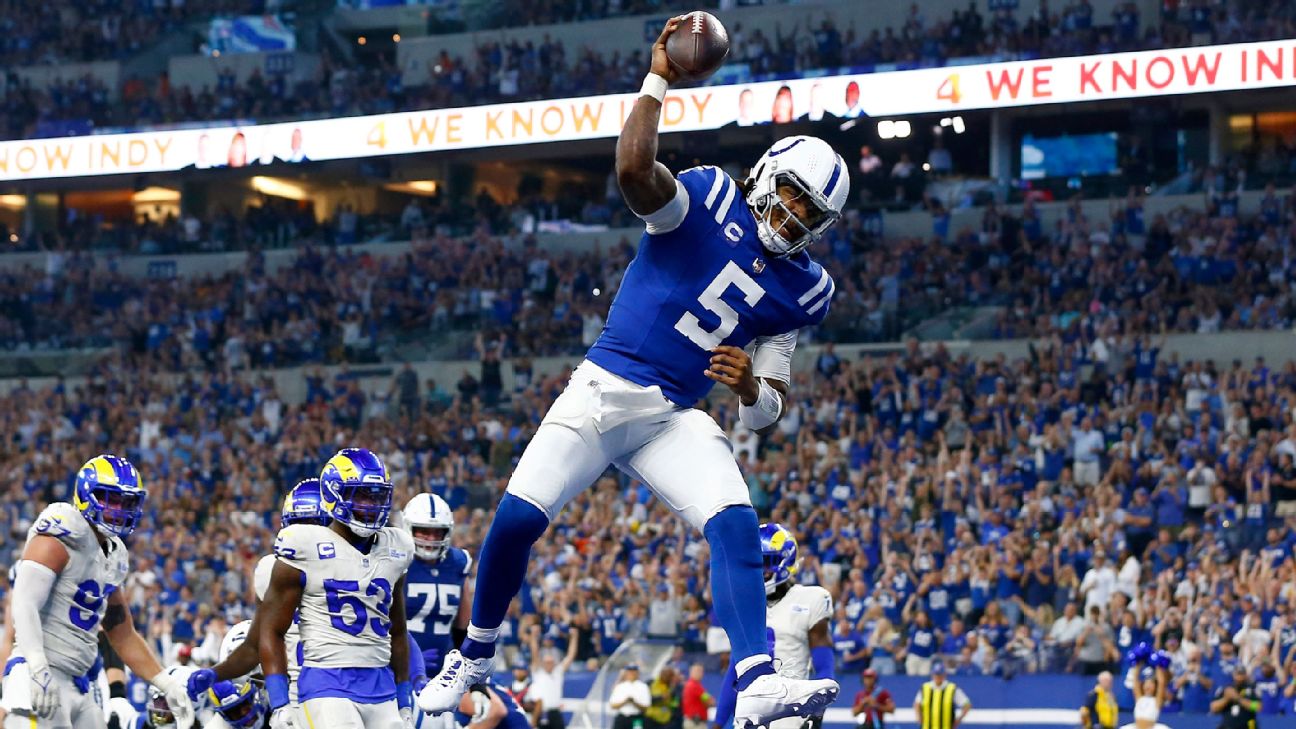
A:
{"x": 407, "y": 716}
{"x": 481, "y": 702}
{"x": 282, "y": 718}
{"x": 44, "y": 694}
{"x": 177, "y": 698}
{"x": 123, "y": 710}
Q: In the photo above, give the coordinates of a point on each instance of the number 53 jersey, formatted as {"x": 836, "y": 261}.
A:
{"x": 701, "y": 280}
{"x": 346, "y": 595}
{"x": 71, "y": 615}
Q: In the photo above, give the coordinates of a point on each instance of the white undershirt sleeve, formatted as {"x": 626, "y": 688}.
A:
{"x": 30, "y": 592}
{"x": 669, "y": 216}
{"x": 772, "y": 357}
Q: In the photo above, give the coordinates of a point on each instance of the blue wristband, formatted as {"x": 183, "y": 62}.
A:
{"x": 404, "y": 695}
{"x": 277, "y": 687}
{"x": 821, "y": 658}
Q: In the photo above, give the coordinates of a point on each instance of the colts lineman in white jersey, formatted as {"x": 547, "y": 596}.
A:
{"x": 69, "y": 581}
{"x": 798, "y": 617}
{"x": 347, "y": 581}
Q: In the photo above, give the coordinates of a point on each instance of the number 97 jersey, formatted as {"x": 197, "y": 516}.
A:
{"x": 347, "y": 595}
{"x": 70, "y": 617}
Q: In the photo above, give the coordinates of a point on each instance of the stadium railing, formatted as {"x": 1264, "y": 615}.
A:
{"x": 648, "y": 654}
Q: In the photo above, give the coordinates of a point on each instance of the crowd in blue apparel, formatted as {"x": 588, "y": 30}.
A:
{"x": 1094, "y": 284}
{"x": 1040, "y": 515}
{"x": 516, "y": 71}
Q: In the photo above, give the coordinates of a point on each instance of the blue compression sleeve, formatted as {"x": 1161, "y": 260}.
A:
{"x": 822, "y": 659}
{"x": 417, "y": 669}
{"x": 504, "y": 559}
{"x": 737, "y": 586}
{"x": 727, "y": 697}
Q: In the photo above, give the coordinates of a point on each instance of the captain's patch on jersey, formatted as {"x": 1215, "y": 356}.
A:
{"x": 326, "y": 550}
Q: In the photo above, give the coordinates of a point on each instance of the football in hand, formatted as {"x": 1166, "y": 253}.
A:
{"x": 698, "y": 46}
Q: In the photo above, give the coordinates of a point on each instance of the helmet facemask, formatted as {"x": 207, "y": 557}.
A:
{"x": 159, "y": 711}
{"x": 431, "y": 541}
{"x": 369, "y": 506}
{"x": 117, "y": 511}
{"x": 780, "y": 229}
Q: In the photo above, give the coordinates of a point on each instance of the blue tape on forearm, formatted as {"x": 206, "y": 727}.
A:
{"x": 277, "y": 688}
{"x": 822, "y": 659}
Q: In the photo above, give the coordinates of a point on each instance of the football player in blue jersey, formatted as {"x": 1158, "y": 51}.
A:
{"x": 488, "y": 707}
{"x": 721, "y": 267}
{"x": 435, "y": 604}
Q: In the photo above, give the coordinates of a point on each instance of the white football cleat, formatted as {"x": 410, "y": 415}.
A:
{"x": 457, "y": 675}
{"x": 772, "y": 697}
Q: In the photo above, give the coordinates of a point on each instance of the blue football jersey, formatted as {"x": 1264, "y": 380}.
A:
{"x": 707, "y": 282}
{"x": 433, "y": 591}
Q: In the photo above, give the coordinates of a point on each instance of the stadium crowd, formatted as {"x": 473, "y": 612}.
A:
{"x": 41, "y": 33}
{"x": 515, "y": 71}
{"x": 1007, "y": 516}
{"x": 1096, "y": 284}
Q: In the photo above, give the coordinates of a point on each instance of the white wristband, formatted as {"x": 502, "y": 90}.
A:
{"x": 654, "y": 86}
{"x": 765, "y": 412}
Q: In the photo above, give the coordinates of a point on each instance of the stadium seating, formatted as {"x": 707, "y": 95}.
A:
{"x": 518, "y": 70}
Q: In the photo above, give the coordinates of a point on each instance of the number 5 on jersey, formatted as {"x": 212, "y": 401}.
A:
{"x": 731, "y": 275}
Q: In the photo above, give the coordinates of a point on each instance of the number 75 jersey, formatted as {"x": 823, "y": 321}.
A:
{"x": 347, "y": 594}
{"x": 699, "y": 281}
{"x": 433, "y": 592}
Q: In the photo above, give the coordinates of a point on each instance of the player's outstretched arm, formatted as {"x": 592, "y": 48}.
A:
{"x": 645, "y": 183}
{"x": 485, "y": 708}
{"x": 274, "y": 615}
{"x": 43, "y": 559}
{"x": 821, "y": 650}
{"x": 135, "y": 653}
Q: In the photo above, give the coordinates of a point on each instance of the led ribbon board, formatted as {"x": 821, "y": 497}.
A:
{"x": 1078, "y": 79}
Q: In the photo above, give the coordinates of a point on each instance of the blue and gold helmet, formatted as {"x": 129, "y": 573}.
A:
{"x": 779, "y": 555}
{"x": 356, "y": 491}
{"x": 108, "y": 493}
{"x": 239, "y": 704}
{"x": 304, "y": 504}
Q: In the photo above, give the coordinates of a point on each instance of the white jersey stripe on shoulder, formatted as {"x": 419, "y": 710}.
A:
{"x": 823, "y": 300}
{"x": 715, "y": 187}
{"x": 823, "y": 281}
{"x": 732, "y": 192}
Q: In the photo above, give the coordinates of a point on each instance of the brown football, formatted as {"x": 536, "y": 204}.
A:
{"x": 698, "y": 46}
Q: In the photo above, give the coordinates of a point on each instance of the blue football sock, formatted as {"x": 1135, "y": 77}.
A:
{"x": 738, "y": 588}
{"x": 504, "y": 559}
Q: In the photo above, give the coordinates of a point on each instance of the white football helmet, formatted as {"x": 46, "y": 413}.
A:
{"x": 811, "y": 168}
{"x": 234, "y": 638}
{"x": 429, "y": 511}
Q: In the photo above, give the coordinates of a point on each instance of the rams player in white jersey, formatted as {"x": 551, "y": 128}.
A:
{"x": 797, "y": 615}
{"x": 347, "y": 583}
{"x": 67, "y": 589}
{"x": 302, "y": 505}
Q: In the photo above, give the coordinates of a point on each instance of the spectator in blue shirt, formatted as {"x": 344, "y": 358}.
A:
{"x": 1139, "y": 521}
{"x": 921, "y": 646}
{"x": 850, "y": 647}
